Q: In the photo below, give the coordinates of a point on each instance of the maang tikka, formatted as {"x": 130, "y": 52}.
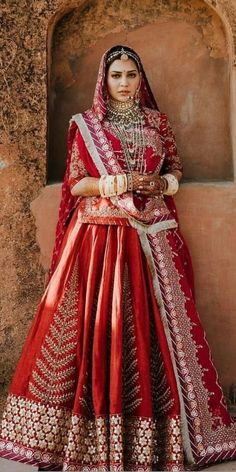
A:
{"x": 124, "y": 56}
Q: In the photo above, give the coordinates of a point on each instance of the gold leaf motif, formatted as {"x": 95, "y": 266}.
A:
{"x": 53, "y": 376}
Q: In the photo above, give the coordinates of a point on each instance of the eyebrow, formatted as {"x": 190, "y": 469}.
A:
{"x": 120, "y": 71}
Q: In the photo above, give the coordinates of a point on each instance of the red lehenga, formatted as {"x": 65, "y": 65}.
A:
{"x": 116, "y": 373}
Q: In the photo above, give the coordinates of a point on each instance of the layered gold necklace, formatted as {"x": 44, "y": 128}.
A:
{"x": 127, "y": 121}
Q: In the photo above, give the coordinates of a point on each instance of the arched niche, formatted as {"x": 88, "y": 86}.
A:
{"x": 185, "y": 53}
{"x": 207, "y": 210}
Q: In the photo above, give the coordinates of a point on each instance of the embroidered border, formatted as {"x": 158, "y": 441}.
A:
{"x": 151, "y": 262}
{"x": 42, "y": 435}
{"x": 202, "y": 443}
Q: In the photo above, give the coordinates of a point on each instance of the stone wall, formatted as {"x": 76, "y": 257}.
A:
{"x": 28, "y": 29}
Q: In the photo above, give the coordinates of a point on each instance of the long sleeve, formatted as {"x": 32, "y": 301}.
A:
{"x": 77, "y": 169}
{"x": 172, "y": 159}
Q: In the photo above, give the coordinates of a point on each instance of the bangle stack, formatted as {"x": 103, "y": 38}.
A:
{"x": 121, "y": 184}
{"x": 172, "y": 184}
{"x": 112, "y": 185}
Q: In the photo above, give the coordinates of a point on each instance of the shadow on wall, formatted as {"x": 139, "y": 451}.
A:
{"x": 230, "y": 396}
{"x": 186, "y": 59}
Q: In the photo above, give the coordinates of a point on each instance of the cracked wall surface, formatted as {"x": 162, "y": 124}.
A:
{"x": 210, "y": 218}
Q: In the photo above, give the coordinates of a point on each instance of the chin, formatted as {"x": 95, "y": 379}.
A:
{"x": 123, "y": 98}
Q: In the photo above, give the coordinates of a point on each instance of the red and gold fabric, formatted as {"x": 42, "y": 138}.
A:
{"x": 116, "y": 373}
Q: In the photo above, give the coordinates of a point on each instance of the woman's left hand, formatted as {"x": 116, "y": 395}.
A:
{"x": 150, "y": 185}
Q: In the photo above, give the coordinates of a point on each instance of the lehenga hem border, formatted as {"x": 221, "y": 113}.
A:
{"x": 44, "y": 460}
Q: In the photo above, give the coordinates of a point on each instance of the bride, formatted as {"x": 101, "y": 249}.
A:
{"x": 116, "y": 373}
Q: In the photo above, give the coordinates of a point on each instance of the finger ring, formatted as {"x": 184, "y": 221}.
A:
{"x": 152, "y": 184}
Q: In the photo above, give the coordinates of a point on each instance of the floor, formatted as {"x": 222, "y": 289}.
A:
{"x": 10, "y": 466}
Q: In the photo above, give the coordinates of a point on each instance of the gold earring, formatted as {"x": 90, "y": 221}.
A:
{"x": 137, "y": 96}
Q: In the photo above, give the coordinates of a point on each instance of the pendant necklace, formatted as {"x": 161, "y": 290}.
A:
{"x": 127, "y": 122}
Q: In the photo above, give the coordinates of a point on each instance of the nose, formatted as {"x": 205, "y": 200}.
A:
{"x": 124, "y": 81}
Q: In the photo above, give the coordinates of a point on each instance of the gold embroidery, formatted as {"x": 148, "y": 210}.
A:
{"x": 131, "y": 386}
{"x": 203, "y": 436}
{"x": 86, "y": 399}
{"x": 97, "y": 207}
{"x": 50, "y": 435}
{"x": 162, "y": 398}
{"x": 77, "y": 169}
{"x": 159, "y": 121}
{"x": 172, "y": 160}
{"x": 102, "y": 211}
{"x": 170, "y": 443}
{"x": 52, "y": 378}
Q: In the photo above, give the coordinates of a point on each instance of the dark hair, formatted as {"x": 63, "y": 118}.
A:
{"x": 116, "y": 52}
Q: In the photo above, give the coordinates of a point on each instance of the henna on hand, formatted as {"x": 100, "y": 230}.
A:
{"x": 149, "y": 185}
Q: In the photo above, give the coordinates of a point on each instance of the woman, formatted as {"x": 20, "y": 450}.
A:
{"x": 116, "y": 373}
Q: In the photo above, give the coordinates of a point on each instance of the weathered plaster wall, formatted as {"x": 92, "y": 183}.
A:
{"x": 23, "y": 175}
{"x": 23, "y": 167}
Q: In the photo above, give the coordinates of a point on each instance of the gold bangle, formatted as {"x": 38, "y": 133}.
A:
{"x": 136, "y": 179}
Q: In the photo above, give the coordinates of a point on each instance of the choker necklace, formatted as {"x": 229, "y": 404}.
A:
{"x": 124, "y": 113}
{"x": 127, "y": 121}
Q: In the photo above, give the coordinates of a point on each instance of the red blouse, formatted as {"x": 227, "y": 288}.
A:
{"x": 160, "y": 153}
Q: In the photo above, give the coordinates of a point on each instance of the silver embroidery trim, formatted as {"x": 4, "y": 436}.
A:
{"x": 157, "y": 291}
{"x": 89, "y": 143}
{"x": 155, "y": 228}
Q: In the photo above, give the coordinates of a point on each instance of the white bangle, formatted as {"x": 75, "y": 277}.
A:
{"x": 110, "y": 186}
{"x": 173, "y": 184}
{"x": 121, "y": 184}
{"x": 107, "y": 186}
{"x": 101, "y": 185}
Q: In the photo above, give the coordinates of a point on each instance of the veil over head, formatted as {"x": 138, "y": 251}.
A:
{"x": 99, "y": 108}
{"x": 99, "y": 101}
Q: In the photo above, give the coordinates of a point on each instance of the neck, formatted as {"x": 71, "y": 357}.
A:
{"x": 123, "y": 112}
{"x": 118, "y": 105}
